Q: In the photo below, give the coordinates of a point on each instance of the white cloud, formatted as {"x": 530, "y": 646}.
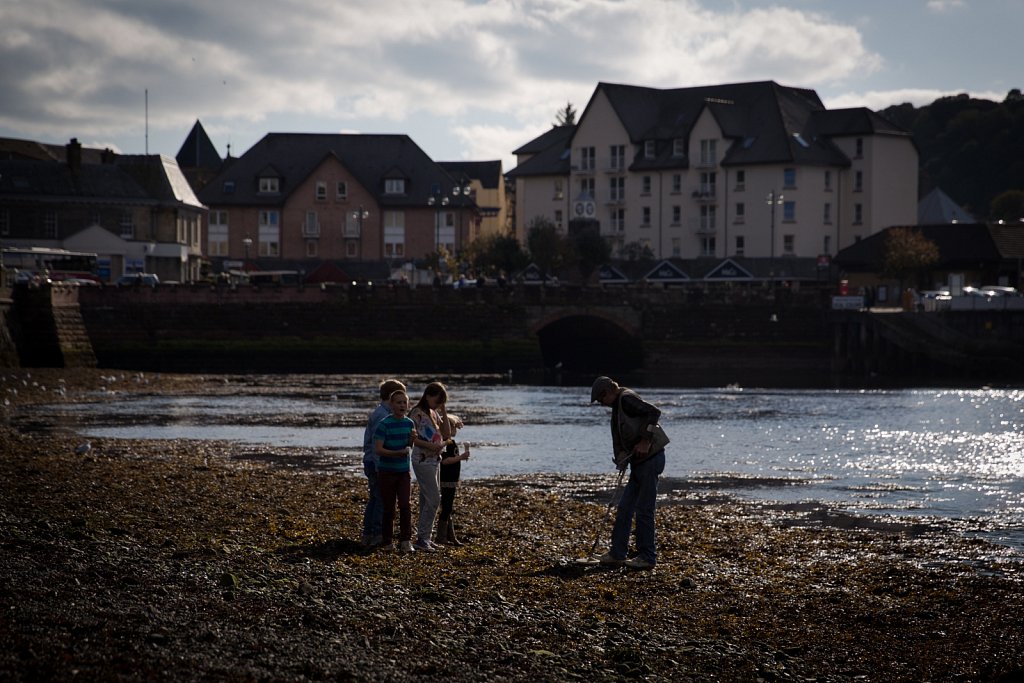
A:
{"x": 944, "y": 6}
{"x": 880, "y": 99}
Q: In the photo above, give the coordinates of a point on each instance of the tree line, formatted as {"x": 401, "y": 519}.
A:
{"x": 972, "y": 149}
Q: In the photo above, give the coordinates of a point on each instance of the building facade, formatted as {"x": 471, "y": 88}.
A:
{"x": 754, "y": 170}
{"x": 314, "y": 198}
{"x": 137, "y": 213}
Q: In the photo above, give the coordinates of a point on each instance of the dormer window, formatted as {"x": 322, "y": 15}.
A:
{"x": 269, "y": 185}
{"x": 229, "y": 187}
{"x": 649, "y": 149}
{"x": 394, "y": 186}
{"x": 678, "y": 147}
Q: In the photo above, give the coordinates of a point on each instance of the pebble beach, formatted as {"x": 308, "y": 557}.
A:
{"x": 187, "y": 560}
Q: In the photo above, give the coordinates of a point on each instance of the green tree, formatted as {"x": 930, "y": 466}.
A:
{"x": 565, "y": 116}
{"x": 1008, "y": 206}
{"x": 634, "y": 251}
{"x": 494, "y": 253}
{"x": 907, "y": 254}
{"x": 589, "y": 249}
{"x": 547, "y": 248}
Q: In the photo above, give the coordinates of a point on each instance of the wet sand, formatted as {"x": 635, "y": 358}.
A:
{"x": 182, "y": 560}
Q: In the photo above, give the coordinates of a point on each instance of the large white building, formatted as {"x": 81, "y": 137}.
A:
{"x": 751, "y": 170}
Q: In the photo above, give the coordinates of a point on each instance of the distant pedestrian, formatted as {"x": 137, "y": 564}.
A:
{"x": 432, "y": 433}
{"x": 638, "y": 442}
{"x": 372, "y": 515}
{"x": 392, "y": 443}
{"x": 449, "y": 470}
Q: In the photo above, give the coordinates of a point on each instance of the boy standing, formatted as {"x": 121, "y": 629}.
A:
{"x": 392, "y": 443}
{"x": 372, "y": 516}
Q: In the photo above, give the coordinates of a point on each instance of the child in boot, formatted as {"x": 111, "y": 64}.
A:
{"x": 451, "y": 465}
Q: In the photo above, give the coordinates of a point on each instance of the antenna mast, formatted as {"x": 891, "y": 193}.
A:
{"x": 147, "y": 121}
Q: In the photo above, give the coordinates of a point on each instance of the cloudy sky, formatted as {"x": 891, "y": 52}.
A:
{"x": 466, "y": 79}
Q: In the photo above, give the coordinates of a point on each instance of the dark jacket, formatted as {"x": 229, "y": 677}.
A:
{"x": 632, "y": 419}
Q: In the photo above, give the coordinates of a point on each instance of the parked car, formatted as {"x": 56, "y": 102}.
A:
{"x": 138, "y": 280}
{"x": 996, "y": 290}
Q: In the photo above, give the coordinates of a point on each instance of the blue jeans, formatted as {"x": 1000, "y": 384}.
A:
{"x": 374, "y": 513}
{"x": 638, "y": 499}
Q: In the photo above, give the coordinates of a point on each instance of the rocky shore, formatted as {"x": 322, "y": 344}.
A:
{"x": 185, "y": 560}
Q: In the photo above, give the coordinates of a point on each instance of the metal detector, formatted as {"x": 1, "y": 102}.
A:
{"x": 590, "y": 560}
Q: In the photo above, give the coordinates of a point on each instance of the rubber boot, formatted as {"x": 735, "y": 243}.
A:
{"x": 452, "y": 538}
{"x": 443, "y": 532}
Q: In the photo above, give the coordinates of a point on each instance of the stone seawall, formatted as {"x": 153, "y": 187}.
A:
{"x": 655, "y": 336}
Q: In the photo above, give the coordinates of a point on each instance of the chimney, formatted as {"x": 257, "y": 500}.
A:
{"x": 107, "y": 156}
{"x": 74, "y": 154}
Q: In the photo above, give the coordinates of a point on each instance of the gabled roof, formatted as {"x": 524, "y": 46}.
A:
{"x": 56, "y": 182}
{"x": 960, "y": 243}
{"x": 550, "y": 154}
{"x": 198, "y": 151}
{"x": 488, "y": 173}
{"x": 939, "y": 207}
{"x": 160, "y": 176}
{"x": 557, "y": 135}
{"x": 294, "y": 156}
{"x": 769, "y": 122}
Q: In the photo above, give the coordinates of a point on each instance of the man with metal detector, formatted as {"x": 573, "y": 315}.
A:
{"x": 638, "y": 442}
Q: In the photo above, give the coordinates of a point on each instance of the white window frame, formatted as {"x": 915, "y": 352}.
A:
{"x": 678, "y": 147}
{"x": 741, "y": 245}
{"x": 617, "y": 188}
{"x": 709, "y": 152}
{"x": 789, "y": 244}
{"x": 394, "y": 234}
{"x": 269, "y": 185}
{"x": 677, "y": 183}
{"x": 741, "y": 180}
{"x": 645, "y": 185}
{"x": 269, "y": 233}
{"x": 321, "y": 190}
{"x": 126, "y": 225}
{"x": 617, "y": 155}
{"x": 677, "y": 214}
{"x": 708, "y": 216}
{"x": 789, "y": 178}
{"x": 341, "y": 190}
{"x": 311, "y": 224}
{"x": 650, "y": 149}
{"x": 645, "y": 217}
{"x": 394, "y": 186}
{"x": 789, "y": 211}
{"x": 741, "y": 213}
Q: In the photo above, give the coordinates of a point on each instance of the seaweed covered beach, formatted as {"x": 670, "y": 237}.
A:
{"x": 189, "y": 560}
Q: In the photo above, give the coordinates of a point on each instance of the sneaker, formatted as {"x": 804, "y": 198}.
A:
{"x": 406, "y": 547}
{"x": 639, "y": 563}
{"x": 426, "y": 547}
{"x": 610, "y": 560}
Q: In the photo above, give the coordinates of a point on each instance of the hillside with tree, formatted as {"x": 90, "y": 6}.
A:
{"x": 972, "y": 149}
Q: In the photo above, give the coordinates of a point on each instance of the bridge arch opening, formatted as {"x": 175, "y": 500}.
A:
{"x": 589, "y": 345}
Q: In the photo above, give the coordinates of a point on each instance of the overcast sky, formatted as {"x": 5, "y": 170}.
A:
{"x": 466, "y": 79}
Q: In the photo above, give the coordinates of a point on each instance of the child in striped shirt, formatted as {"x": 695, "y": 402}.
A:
{"x": 392, "y": 441}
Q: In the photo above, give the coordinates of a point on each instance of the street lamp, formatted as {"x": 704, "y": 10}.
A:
{"x": 440, "y": 200}
{"x": 359, "y": 215}
{"x": 773, "y": 199}
{"x": 247, "y": 242}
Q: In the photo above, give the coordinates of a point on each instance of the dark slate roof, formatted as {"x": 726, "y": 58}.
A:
{"x": 56, "y": 182}
{"x": 769, "y": 123}
{"x": 939, "y": 207}
{"x": 198, "y": 151}
{"x": 294, "y": 156}
{"x": 160, "y": 176}
{"x": 1009, "y": 238}
{"x": 487, "y": 172}
{"x": 959, "y": 243}
{"x": 558, "y": 135}
{"x": 552, "y": 159}
{"x": 854, "y": 121}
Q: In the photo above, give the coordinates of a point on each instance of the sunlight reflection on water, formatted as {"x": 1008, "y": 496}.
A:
{"x": 952, "y": 453}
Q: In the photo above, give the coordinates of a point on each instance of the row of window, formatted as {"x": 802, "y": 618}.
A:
{"x": 269, "y": 234}
{"x": 272, "y": 185}
{"x": 586, "y": 156}
{"x": 709, "y": 212}
{"x": 186, "y": 226}
{"x": 707, "y": 187}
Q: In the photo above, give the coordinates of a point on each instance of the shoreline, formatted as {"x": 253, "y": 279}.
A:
{"x": 178, "y": 560}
